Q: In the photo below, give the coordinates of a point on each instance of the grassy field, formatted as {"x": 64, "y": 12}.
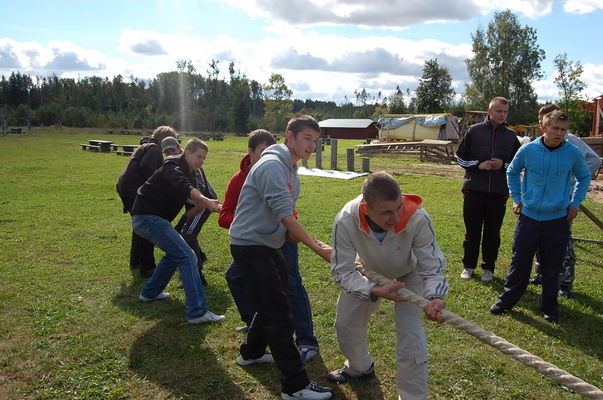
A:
{"x": 72, "y": 327}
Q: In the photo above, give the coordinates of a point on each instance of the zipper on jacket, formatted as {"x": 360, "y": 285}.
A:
{"x": 492, "y": 147}
{"x": 546, "y": 179}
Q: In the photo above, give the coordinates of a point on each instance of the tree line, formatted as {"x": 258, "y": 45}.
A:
{"x": 506, "y": 60}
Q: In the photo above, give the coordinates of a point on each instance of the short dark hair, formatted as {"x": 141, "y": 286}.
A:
{"x": 556, "y": 115}
{"x": 498, "y": 99}
{"x": 302, "y": 121}
{"x": 258, "y": 137}
{"x": 380, "y": 186}
{"x": 195, "y": 144}
{"x": 545, "y": 109}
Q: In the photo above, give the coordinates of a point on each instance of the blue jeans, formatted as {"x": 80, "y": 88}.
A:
{"x": 179, "y": 255}
{"x": 296, "y": 293}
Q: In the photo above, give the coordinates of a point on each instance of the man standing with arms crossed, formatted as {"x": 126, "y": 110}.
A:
{"x": 485, "y": 153}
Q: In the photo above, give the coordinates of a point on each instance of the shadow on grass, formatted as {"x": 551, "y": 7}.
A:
{"x": 173, "y": 353}
{"x": 575, "y": 327}
{"x": 175, "y": 357}
{"x": 594, "y": 251}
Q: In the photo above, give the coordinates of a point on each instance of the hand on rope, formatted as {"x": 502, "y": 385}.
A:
{"x": 560, "y": 376}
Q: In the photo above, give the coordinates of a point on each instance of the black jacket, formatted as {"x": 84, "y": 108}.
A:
{"x": 140, "y": 166}
{"x": 166, "y": 191}
{"x": 481, "y": 143}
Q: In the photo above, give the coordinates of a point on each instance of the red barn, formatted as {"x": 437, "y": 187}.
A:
{"x": 349, "y": 128}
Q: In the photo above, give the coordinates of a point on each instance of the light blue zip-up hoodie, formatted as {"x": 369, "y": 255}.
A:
{"x": 268, "y": 195}
{"x": 546, "y": 189}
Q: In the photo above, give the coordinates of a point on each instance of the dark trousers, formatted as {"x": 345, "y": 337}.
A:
{"x": 550, "y": 238}
{"x": 142, "y": 252}
{"x": 296, "y": 292}
{"x": 189, "y": 229}
{"x": 482, "y": 210}
{"x": 265, "y": 272}
{"x": 567, "y": 274}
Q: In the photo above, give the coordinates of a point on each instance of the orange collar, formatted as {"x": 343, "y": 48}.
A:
{"x": 410, "y": 204}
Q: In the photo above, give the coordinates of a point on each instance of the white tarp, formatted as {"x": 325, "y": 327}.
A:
{"x": 329, "y": 173}
{"x": 418, "y": 127}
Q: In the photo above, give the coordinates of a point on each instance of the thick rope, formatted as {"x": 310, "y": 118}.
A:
{"x": 564, "y": 378}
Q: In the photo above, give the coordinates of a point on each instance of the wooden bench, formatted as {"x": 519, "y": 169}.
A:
{"x": 124, "y": 147}
{"x": 122, "y": 152}
{"x": 208, "y": 136}
{"x": 16, "y": 130}
{"x": 90, "y": 147}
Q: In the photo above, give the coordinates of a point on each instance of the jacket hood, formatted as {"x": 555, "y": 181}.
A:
{"x": 410, "y": 204}
{"x": 148, "y": 140}
{"x": 244, "y": 166}
{"x": 280, "y": 151}
{"x": 179, "y": 159}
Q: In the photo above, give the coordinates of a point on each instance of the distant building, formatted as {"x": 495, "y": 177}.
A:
{"x": 349, "y": 128}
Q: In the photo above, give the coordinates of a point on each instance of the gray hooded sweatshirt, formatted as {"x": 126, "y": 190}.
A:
{"x": 268, "y": 195}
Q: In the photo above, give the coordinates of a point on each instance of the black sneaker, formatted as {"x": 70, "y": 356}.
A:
{"x": 498, "y": 309}
{"x": 311, "y": 392}
{"x": 341, "y": 376}
{"x": 564, "y": 293}
{"x": 536, "y": 280}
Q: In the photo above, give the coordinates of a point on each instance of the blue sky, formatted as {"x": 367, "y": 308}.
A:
{"x": 325, "y": 49}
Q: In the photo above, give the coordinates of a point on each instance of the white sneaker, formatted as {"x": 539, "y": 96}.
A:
{"x": 207, "y": 317}
{"x": 311, "y": 392}
{"x": 160, "y": 296}
{"x": 487, "y": 276}
{"x": 266, "y": 358}
{"x": 467, "y": 273}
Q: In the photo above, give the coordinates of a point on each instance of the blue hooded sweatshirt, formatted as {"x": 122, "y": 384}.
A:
{"x": 546, "y": 189}
{"x": 268, "y": 195}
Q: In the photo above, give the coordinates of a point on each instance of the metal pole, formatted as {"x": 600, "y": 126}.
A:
{"x": 333, "y": 153}
{"x": 350, "y": 157}
{"x": 366, "y": 164}
{"x": 319, "y": 153}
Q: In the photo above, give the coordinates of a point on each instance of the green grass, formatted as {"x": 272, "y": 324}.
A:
{"x": 72, "y": 327}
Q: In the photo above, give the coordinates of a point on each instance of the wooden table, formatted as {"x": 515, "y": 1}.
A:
{"x": 105, "y": 145}
{"x": 427, "y": 150}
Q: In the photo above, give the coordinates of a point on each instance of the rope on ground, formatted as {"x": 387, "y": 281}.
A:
{"x": 563, "y": 377}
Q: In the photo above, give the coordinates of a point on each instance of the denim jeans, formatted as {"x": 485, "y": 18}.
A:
{"x": 296, "y": 293}
{"x": 179, "y": 255}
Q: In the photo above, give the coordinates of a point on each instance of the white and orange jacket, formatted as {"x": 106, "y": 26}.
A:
{"x": 410, "y": 246}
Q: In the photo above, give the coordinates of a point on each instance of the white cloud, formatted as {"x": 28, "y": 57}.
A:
{"x": 58, "y": 57}
{"x": 593, "y": 77}
{"x": 394, "y": 14}
{"x": 547, "y": 90}
{"x": 315, "y": 65}
{"x": 582, "y": 6}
